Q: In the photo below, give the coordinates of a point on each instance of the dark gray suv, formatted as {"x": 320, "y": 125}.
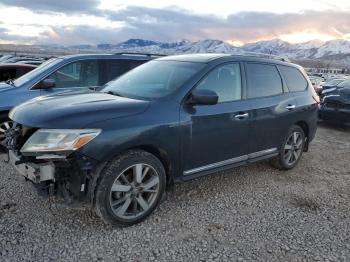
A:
{"x": 169, "y": 120}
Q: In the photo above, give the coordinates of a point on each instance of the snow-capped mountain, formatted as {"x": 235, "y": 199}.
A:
{"x": 275, "y": 46}
{"x": 208, "y": 46}
{"x": 334, "y": 47}
{"x": 308, "y": 50}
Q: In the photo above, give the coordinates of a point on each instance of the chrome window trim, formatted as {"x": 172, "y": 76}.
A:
{"x": 230, "y": 161}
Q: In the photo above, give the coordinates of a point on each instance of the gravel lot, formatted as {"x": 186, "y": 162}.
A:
{"x": 249, "y": 213}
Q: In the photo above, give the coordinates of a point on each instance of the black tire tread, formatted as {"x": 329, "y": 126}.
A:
{"x": 278, "y": 162}
{"x": 109, "y": 170}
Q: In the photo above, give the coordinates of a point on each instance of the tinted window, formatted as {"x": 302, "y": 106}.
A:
{"x": 22, "y": 71}
{"x": 294, "y": 78}
{"x": 154, "y": 79}
{"x": 263, "y": 80}
{"x": 225, "y": 81}
{"x": 115, "y": 68}
{"x": 37, "y": 71}
{"x": 7, "y": 74}
{"x": 77, "y": 74}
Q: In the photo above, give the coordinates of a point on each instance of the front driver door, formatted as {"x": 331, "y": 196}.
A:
{"x": 215, "y": 136}
{"x": 80, "y": 75}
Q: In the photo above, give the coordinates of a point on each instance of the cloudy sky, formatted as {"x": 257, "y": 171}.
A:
{"x": 70, "y": 22}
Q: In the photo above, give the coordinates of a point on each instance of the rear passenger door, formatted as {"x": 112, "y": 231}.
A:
{"x": 272, "y": 108}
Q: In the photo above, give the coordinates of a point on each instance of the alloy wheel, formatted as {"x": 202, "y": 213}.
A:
{"x": 134, "y": 191}
{"x": 293, "y": 148}
{"x": 4, "y": 126}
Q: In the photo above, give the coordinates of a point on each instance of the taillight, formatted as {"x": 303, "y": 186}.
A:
{"x": 316, "y": 98}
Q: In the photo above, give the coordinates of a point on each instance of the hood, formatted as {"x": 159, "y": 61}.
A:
{"x": 75, "y": 110}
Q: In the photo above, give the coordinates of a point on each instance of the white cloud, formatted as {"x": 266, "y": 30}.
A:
{"x": 92, "y": 22}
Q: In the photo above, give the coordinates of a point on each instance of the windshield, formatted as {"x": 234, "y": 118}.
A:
{"x": 28, "y": 76}
{"x": 154, "y": 79}
{"x": 345, "y": 84}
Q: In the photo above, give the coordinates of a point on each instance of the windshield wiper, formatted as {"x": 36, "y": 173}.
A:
{"x": 10, "y": 82}
{"x": 113, "y": 93}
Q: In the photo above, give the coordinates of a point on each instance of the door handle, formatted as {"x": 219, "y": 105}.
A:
{"x": 290, "y": 107}
{"x": 241, "y": 115}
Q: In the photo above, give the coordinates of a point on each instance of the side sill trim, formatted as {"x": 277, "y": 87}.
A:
{"x": 218, "y": 164}
{"x": 230, "y": 161}
{"x": 262, "y": 153}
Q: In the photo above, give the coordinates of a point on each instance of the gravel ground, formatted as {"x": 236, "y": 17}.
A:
{"x": 249, "y": 213}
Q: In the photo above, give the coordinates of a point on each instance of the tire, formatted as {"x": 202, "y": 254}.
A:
{"x": 124, "y": 194}
{"x": 291, "y": 149}
{"x": 5, "y": 123}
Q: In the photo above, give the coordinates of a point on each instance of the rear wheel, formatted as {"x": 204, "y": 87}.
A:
{"x": 130, "y": 188}
{"x": 291, "y": 150}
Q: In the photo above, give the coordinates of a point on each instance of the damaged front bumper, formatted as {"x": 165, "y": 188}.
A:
{"x": 36, "y": 173}
{"x": 71, "y": 178}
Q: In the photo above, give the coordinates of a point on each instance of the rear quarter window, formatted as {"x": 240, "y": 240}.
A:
{"x": 294, "y": 78}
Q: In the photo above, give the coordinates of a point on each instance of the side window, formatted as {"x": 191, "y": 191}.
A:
{"x": 22, "y": 71}
{"x": 263, "y": 80}
{"x": 136, "y": 63}
{"x": 294, "y": 78}
{"x": 224, "y": 80}
{"x": 115, "y": 68}
{"x": 7, "y": 74}
{"x": 77, "y": 74}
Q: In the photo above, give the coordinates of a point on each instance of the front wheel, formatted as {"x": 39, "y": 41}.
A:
{"x": 291, "y": 149}
{"x": 130, "y": 188}
{"x": 5, "y": 124}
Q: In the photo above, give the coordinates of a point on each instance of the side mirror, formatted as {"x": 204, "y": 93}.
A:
{"x": 203, "y": 97}
{"x": 48, "y": 83}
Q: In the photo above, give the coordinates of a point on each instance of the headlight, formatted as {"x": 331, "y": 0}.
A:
{"x": 59, "y": 140}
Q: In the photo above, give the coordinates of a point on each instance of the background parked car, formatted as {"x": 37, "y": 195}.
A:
{"x": 68, "y": 73}
{"x": 334, "y": 85}
{"x": 5, "y": 57}
{"x": 30, "y": 62}
{"x": 335, "y": 107}
{"x": 317, "y": 83}
{"x": 13, "y": 71}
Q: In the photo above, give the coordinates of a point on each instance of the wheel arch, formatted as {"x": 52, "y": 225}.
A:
{"x": 158, "y": 152}
{"x": 305, "y": 127}
{"x": 163, "y": 157}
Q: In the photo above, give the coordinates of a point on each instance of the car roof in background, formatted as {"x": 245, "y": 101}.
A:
{"x": 14, "y": 65}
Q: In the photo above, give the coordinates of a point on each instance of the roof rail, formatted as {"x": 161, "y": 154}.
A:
{"x": 262, "y": 55}
{"x": 135, "y": 53}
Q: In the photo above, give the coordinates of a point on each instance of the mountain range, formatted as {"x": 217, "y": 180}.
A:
{"x": 336, "y": 52}
{"x": 311, "y": 49}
